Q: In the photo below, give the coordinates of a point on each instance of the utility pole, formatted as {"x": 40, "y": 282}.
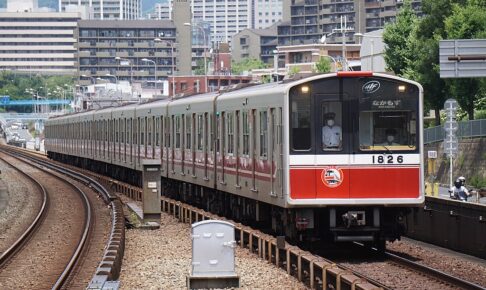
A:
{"x": 343, "y": 31}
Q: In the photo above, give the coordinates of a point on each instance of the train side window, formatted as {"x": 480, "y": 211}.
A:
{"x": 301, "y": 119}
{"x": 188, "y": 131}
{"x": 246, "y": 134}
{"x": 157, "y": 131}
{"x": 149, "y": 130}
{"x": 263, "y": 134}
{"x": 219, "y": 127}
{"x": 200, "y": 132}
{"x": 134, "y": 129}
{"x": 230, "y": 133}
{"x": 178, "y": 132}
{"x": 168, "y": 130}
{"x": 142, "y": 130}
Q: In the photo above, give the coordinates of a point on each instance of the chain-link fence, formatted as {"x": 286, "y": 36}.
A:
{"x": 474, "y": 128}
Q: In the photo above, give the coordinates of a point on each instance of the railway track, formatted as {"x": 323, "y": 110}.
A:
{"x": 447, "y": 278}
{"x": 48, "y": 251}
{"x": 103, "y": 259}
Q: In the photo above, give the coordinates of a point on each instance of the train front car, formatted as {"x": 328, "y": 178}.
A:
{"x": 355, "y": 151}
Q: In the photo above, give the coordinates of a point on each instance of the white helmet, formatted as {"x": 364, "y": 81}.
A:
{"x": 462, "y": 179}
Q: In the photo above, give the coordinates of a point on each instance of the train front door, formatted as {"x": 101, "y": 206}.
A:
{"x": 333, "y": 140}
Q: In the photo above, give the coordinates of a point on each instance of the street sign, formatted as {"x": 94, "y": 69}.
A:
{"x": 451, "y": 126}
{"x": 432, "y": 154}
{"x": 462, "y": 58}
{"x": 451, "y": 105}
{"x": 4, "y": 100}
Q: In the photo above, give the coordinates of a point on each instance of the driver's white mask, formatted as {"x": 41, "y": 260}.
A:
{"x": 330, "y": 123}
{"x": 390, "y": 138}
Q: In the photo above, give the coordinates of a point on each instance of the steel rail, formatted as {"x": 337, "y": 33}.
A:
{"x": 117, "y": 236}
{"x": 18, "y": 244}
{"x": 87, "y": 222}
{"x": 463, "y": 284}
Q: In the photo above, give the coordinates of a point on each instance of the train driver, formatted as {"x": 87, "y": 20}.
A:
{"x": 331, "y": 133}
{"x": 390, "y": 137}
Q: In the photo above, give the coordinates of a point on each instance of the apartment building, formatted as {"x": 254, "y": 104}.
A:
{"x": 106, "y": 9}
{"x": 226, "y": 18}
{"x": 38, "y": 42}
{"x": 130, "y": 50}
{"x": 161, "y": 11}
{"x": 255, "y": 43}
{"x": 310, "y": 20}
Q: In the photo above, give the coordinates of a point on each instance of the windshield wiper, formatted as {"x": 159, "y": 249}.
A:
{"x": 388, "y": 150}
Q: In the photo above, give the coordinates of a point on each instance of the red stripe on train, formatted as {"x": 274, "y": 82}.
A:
{"x": 355, "y": 183}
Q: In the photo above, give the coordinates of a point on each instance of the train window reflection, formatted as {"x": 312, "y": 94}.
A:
{"x": 387, "y": 130}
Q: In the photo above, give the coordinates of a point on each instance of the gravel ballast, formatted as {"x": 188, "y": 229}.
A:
{"x": 161, "y": 259}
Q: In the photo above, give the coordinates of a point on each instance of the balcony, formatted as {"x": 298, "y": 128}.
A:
{"x": 142, "y": 44}
{"x": 123, "y": 73}
{"x": 163, "y": 54}
{"x": 388, "y": 13}
{"x": 103, "y": 54}
{"x": 141, "y": 54}
{"x": 103, "y": 44}
{"x": 84, "y": 44}
{"x": 141, "y": 73}
{"x": 84, "y": 54}
{"x": 121, "y": 44}
{"x": 122, "y": 54}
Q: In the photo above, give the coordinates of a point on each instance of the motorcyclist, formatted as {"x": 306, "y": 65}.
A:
{"x": 459, "y": 191}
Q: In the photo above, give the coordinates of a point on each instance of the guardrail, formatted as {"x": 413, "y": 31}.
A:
{"x": 472, "y": 128}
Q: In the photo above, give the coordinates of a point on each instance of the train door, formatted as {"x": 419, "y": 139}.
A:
{"x": 332, "y": 143}
{"x": 183, "y": 143}
{"x": 253, "y": 149}
{"x": 237, "y": 149}
{"x": 222, "y": 146}
{"x": 206, "y": 145}
{"x": 175, "y": 140}
{"x": 155, "y": 136}
{"x": 194, "y": 145}
{"x": 143, "y": 139}
{"x": 274, "y": 152}
{"x": 162, "y": 123}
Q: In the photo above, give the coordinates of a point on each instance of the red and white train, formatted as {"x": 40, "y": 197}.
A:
{"x": 259, "y": 153}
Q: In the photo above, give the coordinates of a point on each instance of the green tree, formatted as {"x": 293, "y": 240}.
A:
{"x": 467, "y": 22}
{"x": 398, "y": 39}
{"x": 246, "y": 65}
{"x": 424, "y": 43}
{"x": 323, "y": 65}
{"x": 199, "y": 67}
{"x": 294, "y": 70}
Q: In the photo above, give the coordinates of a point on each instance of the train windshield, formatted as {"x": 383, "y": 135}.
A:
{"x": 387, "y": 116}
{"x": 351, "y": 115}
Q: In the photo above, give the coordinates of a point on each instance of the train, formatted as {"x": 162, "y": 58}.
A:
{"x": 258, "y": 154}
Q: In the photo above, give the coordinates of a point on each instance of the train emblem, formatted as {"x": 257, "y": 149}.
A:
{"x": 332, "y": 176}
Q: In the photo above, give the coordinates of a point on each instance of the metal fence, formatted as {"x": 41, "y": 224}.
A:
{"x": 474, "y": 128}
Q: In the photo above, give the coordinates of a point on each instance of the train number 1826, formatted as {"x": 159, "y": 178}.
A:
{"x": 388, "y": 159}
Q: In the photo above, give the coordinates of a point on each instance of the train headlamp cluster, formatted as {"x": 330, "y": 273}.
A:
{"x": 304, "y": 89}
{"x": 401, "y": 88}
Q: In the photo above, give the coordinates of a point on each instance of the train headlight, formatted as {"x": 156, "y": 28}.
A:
{"x": 401, "y": 88}
{"x": 304, "y": 89}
